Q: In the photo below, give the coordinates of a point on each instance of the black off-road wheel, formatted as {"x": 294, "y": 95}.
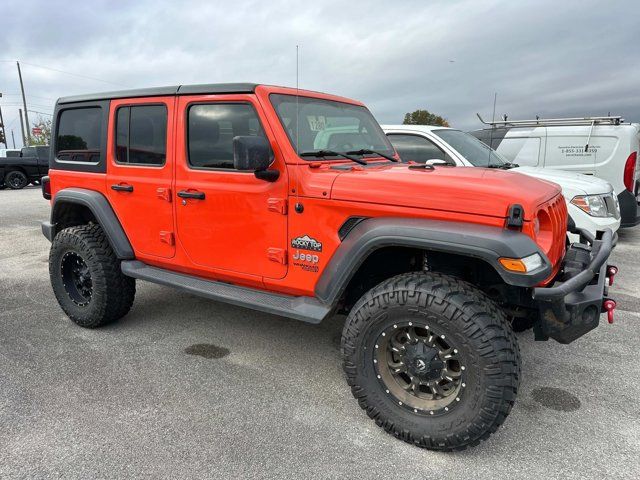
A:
{"x": 432, "y": 360}
{"x": 86, "y": 277}
{"x": 16, "y": 180}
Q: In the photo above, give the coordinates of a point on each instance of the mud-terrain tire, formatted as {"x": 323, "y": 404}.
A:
{"x": 16, "y": 180}
{"x": 86, "y": 277}
{"x": 462, "y": 321}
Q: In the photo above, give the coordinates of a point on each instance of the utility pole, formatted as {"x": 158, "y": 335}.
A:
{"x": 24, "y": 103}
{"x": 13, "y": 139}
{"x": 4, "y": 131}
{"x": 24, "y": 139}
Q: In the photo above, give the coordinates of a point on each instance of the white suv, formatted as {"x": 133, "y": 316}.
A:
{"x": 604, "y": 147}
{"x": 591, "y": 202}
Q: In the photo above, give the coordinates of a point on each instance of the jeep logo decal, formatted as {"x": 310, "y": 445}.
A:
{"x": 305, "y": 242}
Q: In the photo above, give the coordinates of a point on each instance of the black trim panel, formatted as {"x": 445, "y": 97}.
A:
{"x": 102, "y": 211}
{"x": 479, "y": 241}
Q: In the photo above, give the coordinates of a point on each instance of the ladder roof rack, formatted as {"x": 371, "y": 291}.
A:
{"x": 542, "y": 122}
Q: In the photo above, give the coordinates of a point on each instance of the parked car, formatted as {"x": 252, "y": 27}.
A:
{"x": 234, "y": 192}
{"x": 591, "y": 202}
{"x": 604, "y": 147}
{"x": 16, "y": 172}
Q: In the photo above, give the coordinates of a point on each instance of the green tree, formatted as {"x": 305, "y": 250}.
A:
{"x": 424, "y": 117}
{"x": 43, "y": 138}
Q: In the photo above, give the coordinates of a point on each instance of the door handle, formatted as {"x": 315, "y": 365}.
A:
{"x": 122, "y": 188}
{"x": 194, "y": 194}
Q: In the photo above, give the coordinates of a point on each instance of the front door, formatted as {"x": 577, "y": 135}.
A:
{"x": 140, "y": 173}
{"x": 227, "y": 220}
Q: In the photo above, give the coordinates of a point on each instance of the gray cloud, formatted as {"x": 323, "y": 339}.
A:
{"x": 544, "y": 57}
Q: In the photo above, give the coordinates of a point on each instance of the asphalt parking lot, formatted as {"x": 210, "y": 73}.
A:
{"x": 184, "y": 387}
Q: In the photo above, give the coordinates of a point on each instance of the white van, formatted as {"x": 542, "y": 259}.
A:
{"x": 591, "y": 202}
{"x": 604, "y": 147}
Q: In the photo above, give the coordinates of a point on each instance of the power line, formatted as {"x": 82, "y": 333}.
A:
{"x": 4, "y": 94}
{"x": 41, "y": 113}
{"x": 67, "y": 73}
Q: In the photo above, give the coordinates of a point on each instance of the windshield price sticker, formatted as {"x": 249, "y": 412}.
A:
{"x": 317, "y": 123}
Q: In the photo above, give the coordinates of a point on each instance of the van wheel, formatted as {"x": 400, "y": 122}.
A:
{"x": 16, "y": 180}
{"x": 432, "y": 360}
{"x": 86, "y": 277}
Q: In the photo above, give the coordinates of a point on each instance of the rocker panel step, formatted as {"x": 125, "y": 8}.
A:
{"x": 306, "y": 309}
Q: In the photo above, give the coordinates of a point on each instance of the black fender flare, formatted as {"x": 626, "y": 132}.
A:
{"x": 99, "y": 206}
{"x": 479, "y": 241}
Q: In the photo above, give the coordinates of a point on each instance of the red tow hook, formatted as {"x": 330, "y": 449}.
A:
{"x": 610, "y": 307}
{"x": 611, "y": 273}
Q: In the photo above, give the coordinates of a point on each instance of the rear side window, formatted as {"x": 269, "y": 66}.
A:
{"x": 141, "y": 135}
{"x": 415, "y": 148}
{"x": 78, "y": 137}
{"x": 211, "y": 130}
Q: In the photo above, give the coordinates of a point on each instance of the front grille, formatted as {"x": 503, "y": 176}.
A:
{"x": 557, "y": 211}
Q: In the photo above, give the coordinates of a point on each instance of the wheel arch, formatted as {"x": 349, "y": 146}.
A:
{"x": 404, "y": 238}
{"x": 78, "y": 206}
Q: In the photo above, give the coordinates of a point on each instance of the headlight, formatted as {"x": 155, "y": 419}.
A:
{"x": 616, "y": 204}
{"x": 593, "y": 205}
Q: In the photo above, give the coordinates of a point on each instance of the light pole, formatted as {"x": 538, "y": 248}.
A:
{"x": 24, "y": 103}
{"x": 4, "y": 131}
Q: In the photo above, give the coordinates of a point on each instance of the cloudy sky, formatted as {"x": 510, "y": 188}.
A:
{"x": 547, "y": 58}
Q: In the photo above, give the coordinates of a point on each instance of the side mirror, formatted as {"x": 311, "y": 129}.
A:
{"x": 439, "y": 162}
{"x": 253, "y": 154}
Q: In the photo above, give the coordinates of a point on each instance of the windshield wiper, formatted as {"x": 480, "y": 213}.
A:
{"x": 331, "y": 153}
{"x": 366, "y": 151}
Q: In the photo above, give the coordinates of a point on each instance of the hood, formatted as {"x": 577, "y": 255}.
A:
{"x": 472, "y": 190}
{"x": 572, "y": 184}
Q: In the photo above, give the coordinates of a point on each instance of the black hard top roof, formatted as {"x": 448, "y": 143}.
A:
{"x": 212, "y": 88}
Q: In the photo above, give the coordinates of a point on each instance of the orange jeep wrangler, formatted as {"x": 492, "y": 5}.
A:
{"x": 294, "y": 203}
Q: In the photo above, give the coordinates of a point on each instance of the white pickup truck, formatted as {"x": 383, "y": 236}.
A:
{"x": 591, "y": 202}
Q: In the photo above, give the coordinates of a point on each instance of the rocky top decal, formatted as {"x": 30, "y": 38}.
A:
{"x": 305, "y": 242}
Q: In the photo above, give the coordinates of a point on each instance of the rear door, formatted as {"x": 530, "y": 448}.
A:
{"x": 140, "y": 172}
{"x": 228, "y": 220}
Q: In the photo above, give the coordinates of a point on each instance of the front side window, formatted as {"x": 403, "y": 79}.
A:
{"x": 211, "y": 128}
{"x": 472, "y": 149}
{"x": 416, "y": 148}
{"x": 315, "y": 124}
{"x": 141, "y": 134}
{"x": 78, "y": 135}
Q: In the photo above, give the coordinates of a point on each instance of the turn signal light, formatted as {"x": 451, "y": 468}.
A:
{"x": 522, "y": 265}
{"x": 513, "y": 265}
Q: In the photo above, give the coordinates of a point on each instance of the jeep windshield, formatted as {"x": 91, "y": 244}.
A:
{"x": 325, "y": 126}
{"x": 472, "y": 149}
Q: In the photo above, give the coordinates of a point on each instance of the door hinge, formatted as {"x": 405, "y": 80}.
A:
{"x": 278, "y": 255}
{"x": 164, "y": 193}
{"x": 166, "y": 237}
{"x": 278, "y": 205}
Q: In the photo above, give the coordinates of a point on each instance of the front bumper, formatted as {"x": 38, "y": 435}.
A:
{"x": 572, "y": 306}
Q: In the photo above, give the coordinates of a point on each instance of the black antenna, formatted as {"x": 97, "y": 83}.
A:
{"x": 493, "y": 119}
{"x": 298, "y": 206}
